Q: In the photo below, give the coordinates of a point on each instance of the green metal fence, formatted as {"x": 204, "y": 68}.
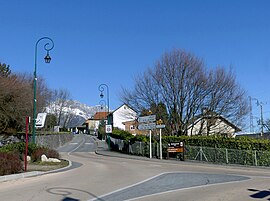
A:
{"x": 205, "y": 154}
{"x": 228, "y": 156}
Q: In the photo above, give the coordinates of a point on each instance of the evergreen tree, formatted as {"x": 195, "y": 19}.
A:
{"x": 4, "y": 70}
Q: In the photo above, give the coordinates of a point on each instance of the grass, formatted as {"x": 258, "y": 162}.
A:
{"x": 46, "y": 166}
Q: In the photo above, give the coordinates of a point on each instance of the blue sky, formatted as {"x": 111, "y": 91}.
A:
{"x": 110, "y": 41}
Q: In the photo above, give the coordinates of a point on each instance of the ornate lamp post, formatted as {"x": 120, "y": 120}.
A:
{"x": 101, "y": 88}
{"x": 48, "y": 47}
{"x": 102, "y": 104}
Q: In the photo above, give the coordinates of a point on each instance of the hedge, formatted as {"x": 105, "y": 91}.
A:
{"x": 241, "y": 143}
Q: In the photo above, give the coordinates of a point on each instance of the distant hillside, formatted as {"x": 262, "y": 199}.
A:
{"x": 73, "y": 112}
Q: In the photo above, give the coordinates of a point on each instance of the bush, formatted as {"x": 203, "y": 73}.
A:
{"x": 50, "y": 153}
{"x": 241, "y": 143}
{"x": 10, "y": 163}
{"x": 19, "y": 147}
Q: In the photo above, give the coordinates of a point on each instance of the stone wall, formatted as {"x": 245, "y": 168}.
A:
{"x": 53, "y": 141}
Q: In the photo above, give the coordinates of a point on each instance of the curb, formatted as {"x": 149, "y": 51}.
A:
{"x": 32, "y": 173}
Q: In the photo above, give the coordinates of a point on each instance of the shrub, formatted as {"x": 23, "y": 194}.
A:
{"x": 50, "y": 153}
{"x": 10, "y": 163}
{"x": 19, "y": 147}
{"x": 241, "y": 143}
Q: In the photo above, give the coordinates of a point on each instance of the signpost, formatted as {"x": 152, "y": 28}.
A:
{"x": 148, "y": 126}
{"x": 160, "y": 126}
{"x": 40, "y": 120}
{"x": 145, "y": 119}
{"x": 176, "y": 147}
{"x": 148, "y": 123}
{"x": 108, "y": 128}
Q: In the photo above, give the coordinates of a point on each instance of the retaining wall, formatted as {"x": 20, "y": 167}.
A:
{"x": 53, "y": 141}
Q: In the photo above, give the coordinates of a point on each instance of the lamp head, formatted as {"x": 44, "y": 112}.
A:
{"x": 47, "y": 58}
{"x": 101, "y": 95}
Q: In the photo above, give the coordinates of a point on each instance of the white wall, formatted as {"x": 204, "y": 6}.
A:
{"x": 219, "y": 127}
{"x": 123, "y": 114}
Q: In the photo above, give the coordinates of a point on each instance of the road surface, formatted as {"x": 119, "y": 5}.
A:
{"x": 102, "y": 178}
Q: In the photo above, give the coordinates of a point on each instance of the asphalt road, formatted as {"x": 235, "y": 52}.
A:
{"x": 112, "y": 178}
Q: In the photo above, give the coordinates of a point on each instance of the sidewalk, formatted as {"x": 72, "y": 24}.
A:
{"x": 102, "y": 149}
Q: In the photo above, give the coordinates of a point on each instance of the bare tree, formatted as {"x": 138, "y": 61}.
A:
{"x": 181, "y": 82}
{"x": 58, "y": 103}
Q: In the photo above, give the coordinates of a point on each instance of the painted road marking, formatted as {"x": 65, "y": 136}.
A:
{"x": 168, "y": 182}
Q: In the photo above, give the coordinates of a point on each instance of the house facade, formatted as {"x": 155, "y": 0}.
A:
{"x": 212, "y": 125}
{"x": 132, "y": 127}
{"x": 92, "y": 124}
{"x": 123, "y": 114}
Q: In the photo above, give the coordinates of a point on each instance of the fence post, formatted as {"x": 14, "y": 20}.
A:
{"x": 141, "y": 148}
{"x": 201, "y": 153}
{"x": 227, "y": 159}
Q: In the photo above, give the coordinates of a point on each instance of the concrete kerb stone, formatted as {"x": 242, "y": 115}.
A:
{"x": 19, "y": 176}
{"x": 32, "y": 173}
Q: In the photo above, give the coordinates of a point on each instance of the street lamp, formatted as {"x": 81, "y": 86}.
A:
{"x": 102, "y": 104}
{"x": 48, "y": 47}
{"x": 101, "y": 88}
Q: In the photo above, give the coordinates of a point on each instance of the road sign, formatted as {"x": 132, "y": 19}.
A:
{"x": 146, "y": 119}
{"x": 149, "y": 126}
{"x": 40, "y": 120}
{"x": 108, "y": 128}
{"x": 175, "y": 150}
{"x": 160, "y": 126}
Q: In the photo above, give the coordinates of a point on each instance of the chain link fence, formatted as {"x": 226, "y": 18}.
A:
{"x": 228, "y": 156}
{"x": 205, "y": 154}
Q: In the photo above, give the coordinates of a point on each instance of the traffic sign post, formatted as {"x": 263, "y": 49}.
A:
{"x": 176, "y": 147}
{"x": 108, "y": 128}
{"x": 160, "y": 126}
{"x": 145, "y": 119}
{"x": 148, "y": 126}
{"x": 148, "y": 123}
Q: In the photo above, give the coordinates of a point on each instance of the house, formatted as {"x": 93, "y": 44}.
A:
{"x": 210, "y": 123}
{"x": 132, "y": 127}
{"x": 123, "y": 114}
{"x": 92, "y": 124}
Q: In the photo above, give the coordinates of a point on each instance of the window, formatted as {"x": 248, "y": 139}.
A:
{"x": 132, "y": 127}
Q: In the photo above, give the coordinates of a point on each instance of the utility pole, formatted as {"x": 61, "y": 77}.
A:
{"x": 261, "y": 119}
{"x": 251, "y": 116}
{"x": 261, "y": 123}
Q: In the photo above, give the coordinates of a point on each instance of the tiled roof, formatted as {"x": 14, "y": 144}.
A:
{"x": 100, "y": 115}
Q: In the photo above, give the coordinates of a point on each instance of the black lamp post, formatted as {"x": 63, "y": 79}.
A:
{"x": 101, "y": 88}
{"x": 48, "y": 47}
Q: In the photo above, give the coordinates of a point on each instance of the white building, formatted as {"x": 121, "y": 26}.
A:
{"x": 212, "y": 124}
{"x": 123, "y": 114}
